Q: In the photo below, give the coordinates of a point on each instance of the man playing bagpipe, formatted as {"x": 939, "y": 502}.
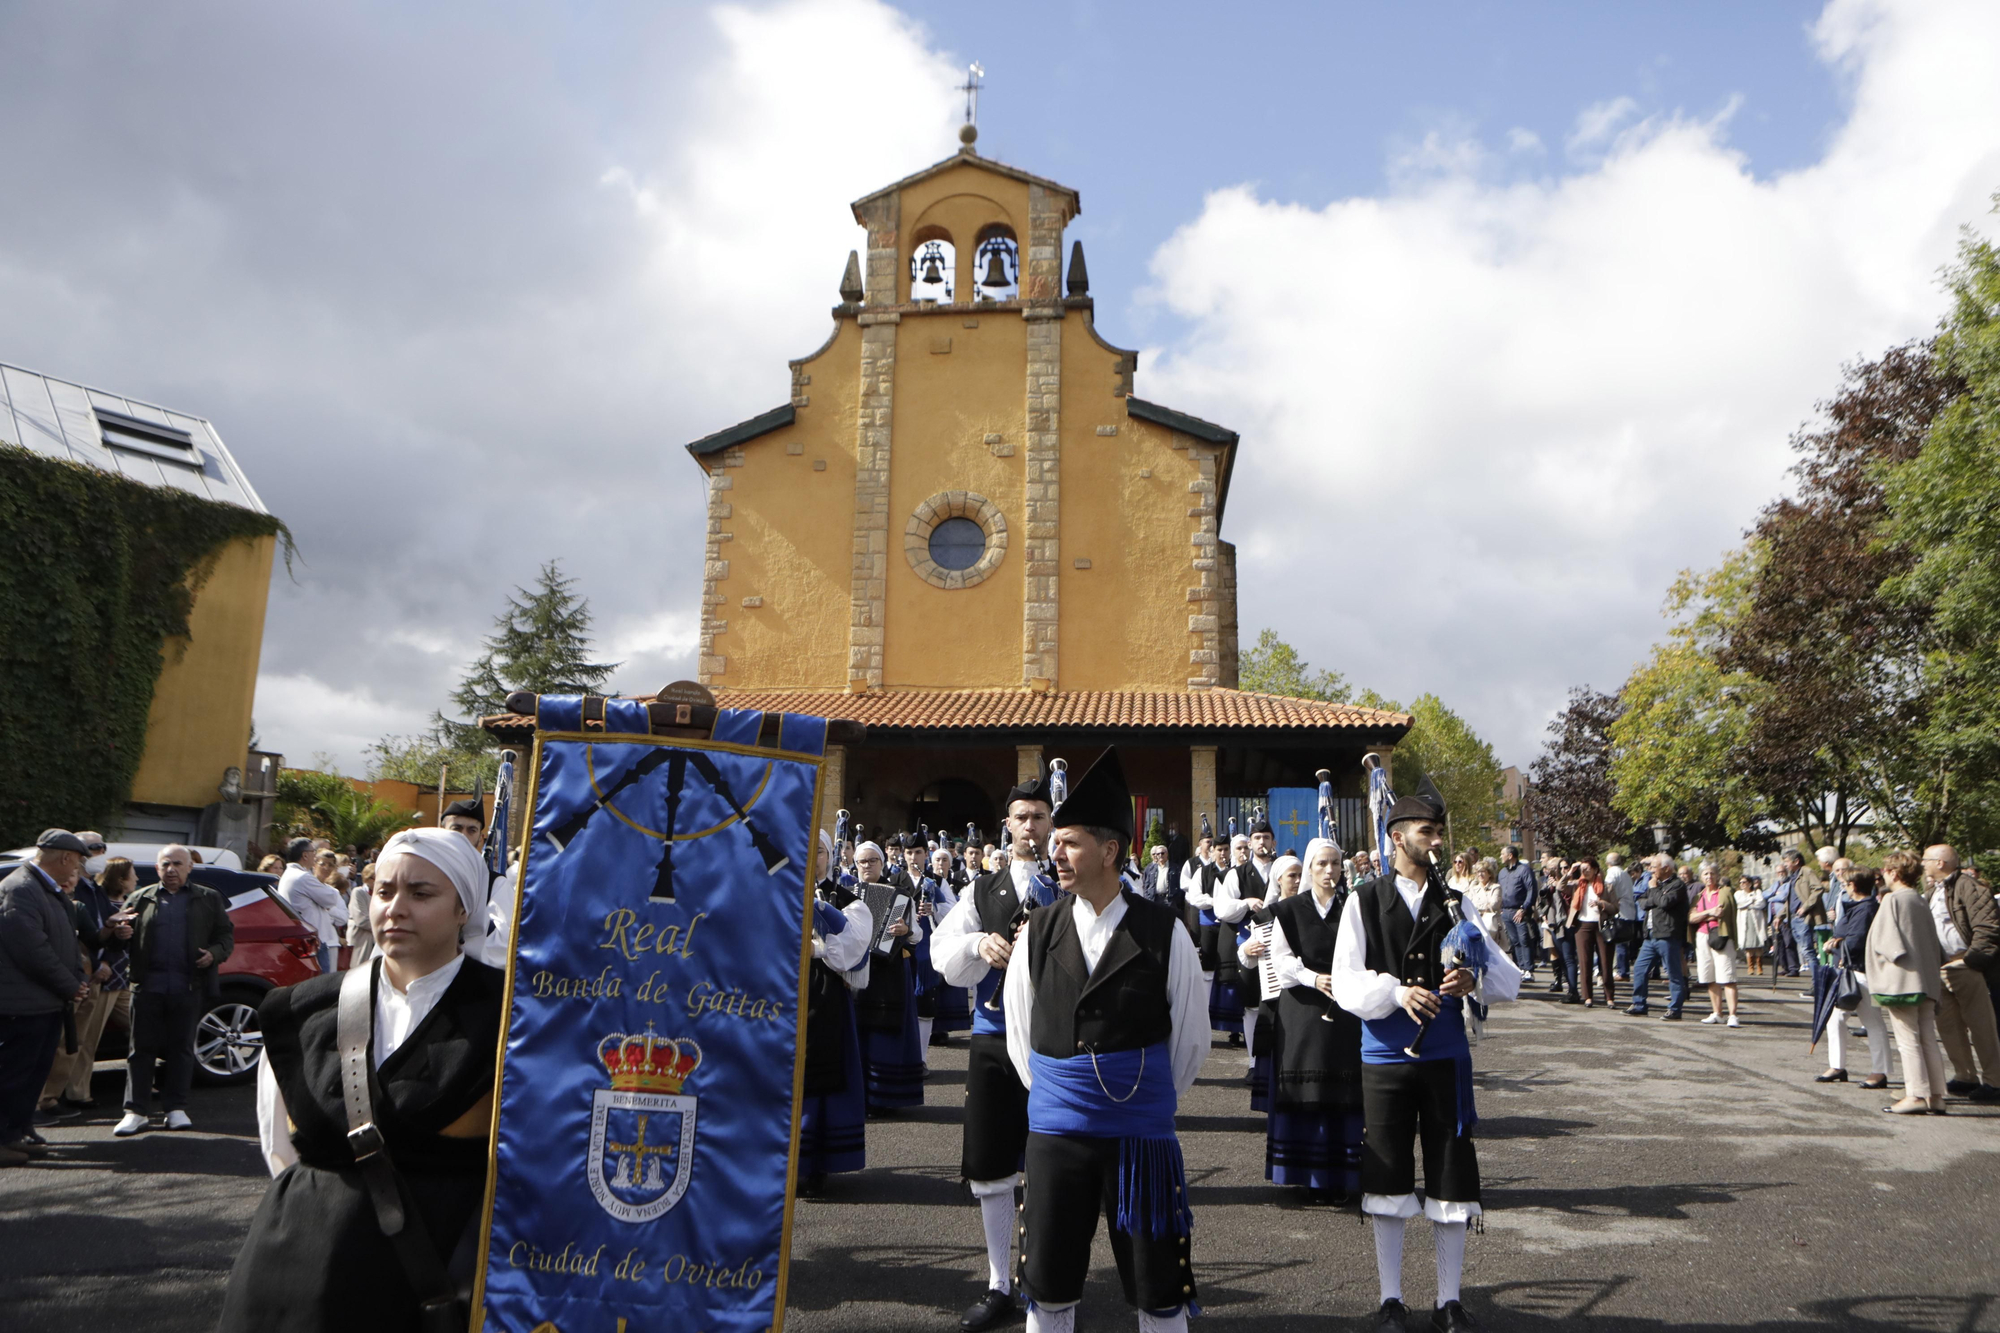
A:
{"x": 1105, "y": 1029}
{"x": 833, "y": 1119}
{"x": 1405, "y": 963}
{"x": 973, "y": 945}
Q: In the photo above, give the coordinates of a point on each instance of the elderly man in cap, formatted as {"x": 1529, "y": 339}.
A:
{"x": 41, "y": 975}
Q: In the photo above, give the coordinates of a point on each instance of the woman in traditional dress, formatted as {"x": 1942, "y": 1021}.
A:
{"x": 316, "y": 1258}
{"x": 1313, "y": 1140}
{"x": 833, "y": 1117}
{"x": 1285, "y": 873}
{"x": 953, "y": 1008}
{"x": 892, "y": 1049}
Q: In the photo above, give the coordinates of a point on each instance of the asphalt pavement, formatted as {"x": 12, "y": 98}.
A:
{"x": 1639, "y": 1176}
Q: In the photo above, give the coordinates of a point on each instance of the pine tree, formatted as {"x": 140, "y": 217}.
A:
{"x": 541, "y": 643}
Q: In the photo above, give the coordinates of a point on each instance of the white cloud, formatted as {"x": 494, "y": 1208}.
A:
{"x": 299, "y": 716}
{"x": 1528, "y": 403}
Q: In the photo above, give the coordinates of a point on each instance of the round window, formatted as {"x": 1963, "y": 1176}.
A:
{"x": 957, "y": 543}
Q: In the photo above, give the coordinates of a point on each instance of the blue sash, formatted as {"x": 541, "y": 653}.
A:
{"x": 989, "y": 1022}
{"x": 1128, "y": 1096}
{"x": 1383, "y": 1041}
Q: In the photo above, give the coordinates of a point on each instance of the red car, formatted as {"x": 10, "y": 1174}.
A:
{"x": 273, "y": 948}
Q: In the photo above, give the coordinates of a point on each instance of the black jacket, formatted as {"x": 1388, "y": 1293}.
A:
{"x": 1667, "y": 909}
{"x": 208, "y": 927}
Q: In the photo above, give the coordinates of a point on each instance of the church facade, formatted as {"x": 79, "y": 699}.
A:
{"x": 966, "y": 529}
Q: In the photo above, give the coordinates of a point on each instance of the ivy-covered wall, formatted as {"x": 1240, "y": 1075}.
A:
{"x": 96, "y": 573}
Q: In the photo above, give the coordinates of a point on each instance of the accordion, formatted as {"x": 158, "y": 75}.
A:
{"x": 887, "y": 904}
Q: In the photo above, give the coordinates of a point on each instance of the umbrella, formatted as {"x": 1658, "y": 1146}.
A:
{"x": 1823, "y": 1007}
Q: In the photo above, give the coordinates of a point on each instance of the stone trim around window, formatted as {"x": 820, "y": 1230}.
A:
{"x": 955, "y": 504}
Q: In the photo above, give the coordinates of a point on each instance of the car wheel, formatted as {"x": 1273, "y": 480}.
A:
{"x": 228, "y": 1042}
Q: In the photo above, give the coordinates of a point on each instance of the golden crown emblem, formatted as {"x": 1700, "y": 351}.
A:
{"x": 648, "y": 1062}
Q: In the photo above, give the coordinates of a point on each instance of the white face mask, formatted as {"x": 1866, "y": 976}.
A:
{"x": 95, "y": 866}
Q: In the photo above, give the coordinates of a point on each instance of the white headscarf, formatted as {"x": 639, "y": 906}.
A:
{"x": 464, "y": 867}
{"x": 1284, "y": 863}
{"x": 1312, "y": 850}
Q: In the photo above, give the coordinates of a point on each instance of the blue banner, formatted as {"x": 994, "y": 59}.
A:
{"x": 646, "y": 1138}
{"x": 1294, "y": 813}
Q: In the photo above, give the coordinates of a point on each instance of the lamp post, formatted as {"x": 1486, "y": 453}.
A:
{"x": 1663, "y": 836}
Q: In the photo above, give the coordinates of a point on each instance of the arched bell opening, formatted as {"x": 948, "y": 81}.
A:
{"x": 933, "y": 266}
{"x": 996, "y": 264}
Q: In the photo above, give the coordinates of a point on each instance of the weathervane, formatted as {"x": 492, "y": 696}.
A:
{"x": 970, "y": 130}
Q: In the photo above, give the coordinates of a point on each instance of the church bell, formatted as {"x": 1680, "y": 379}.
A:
{"x": 933, "y": 267}
{"x": 996, "y": 269}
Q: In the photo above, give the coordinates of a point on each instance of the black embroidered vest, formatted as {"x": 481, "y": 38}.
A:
{"x": 1121, "y": 1006}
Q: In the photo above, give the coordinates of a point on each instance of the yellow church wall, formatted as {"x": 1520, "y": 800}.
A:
{"x": 946, "y": 403}
{"x": 1123, "y": 620}
{"x": 199, "y": 724}
{"x": 791, "y": 535}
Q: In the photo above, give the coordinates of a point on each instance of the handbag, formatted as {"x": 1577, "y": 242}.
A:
{"x": 1847, "y": 990}
{"x": 1624, "y": 930}
{"x": 442, "y": 1307}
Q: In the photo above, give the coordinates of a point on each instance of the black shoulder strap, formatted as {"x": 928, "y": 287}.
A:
{"x": 354, "y": 1022}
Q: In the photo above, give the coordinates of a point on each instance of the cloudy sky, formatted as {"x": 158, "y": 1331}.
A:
{"x": 1526, "y": 299}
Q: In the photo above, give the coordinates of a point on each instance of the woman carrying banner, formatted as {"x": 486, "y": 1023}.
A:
{"x": 833, "y": 1118}
{"x": 892, "y": 1052}
{"x": 1105, "y": 1029}
{"x": 1314, "y": 1138}
{"x": 423, "y": 1019}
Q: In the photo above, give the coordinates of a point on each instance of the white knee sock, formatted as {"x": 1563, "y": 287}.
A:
{"x": 1164, "y": 1323}
{"x": 1389, "y": 1256}
{"x": 1250, "y": 1034}
{"x": 996, "y": 1215}
{"x": 1041, "y": 1319}
{"x": 924, "y": 1038}
{"x": 1450, "y": 1237}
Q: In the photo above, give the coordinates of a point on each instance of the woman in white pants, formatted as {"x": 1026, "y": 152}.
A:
{"x": 1849, "y": 948}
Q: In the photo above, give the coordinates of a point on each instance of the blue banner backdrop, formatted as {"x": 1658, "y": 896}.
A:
{"x": 644, "y": 1149}
{"x": 1294, "y": 817}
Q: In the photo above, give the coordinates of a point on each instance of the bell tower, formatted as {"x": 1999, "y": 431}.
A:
{"x": 961, "y": 492}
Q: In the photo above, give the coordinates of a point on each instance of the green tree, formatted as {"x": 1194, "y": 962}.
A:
{"x": 323, "y": 804}
{"x": 541, "y": 642}
{"x": 1678, "y": 741}
{"x": 1442, "y": 747}
{"x": 1943, "y": 515}
{"x": 421, "y": 758}
{"x": 1275, "y": 667}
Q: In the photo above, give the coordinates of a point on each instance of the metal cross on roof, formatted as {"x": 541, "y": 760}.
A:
{"x": 973, "y": 74}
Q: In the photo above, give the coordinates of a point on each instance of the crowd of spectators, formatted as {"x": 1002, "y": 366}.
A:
{"x": 1909, "y": 953}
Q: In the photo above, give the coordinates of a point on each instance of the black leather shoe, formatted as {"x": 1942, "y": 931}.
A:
{"x": 1958, "y": 1087}
{"x": 1985, "y": 1092}
{"x": 1390, "y": 1318}
{"x": 55, "y": 1115}
{"x": 994, "y": 1308}
{"x": 1636, "y": 1013}
{"x": 1670, "y": 1018}
{"x": 1572, "y": 999}
{"x": 1451, "y": 1317}
{"x": 1831, "y": 1076}
{"x": 87, "y": 1104}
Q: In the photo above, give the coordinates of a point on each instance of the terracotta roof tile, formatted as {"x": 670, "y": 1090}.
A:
{"x": 958, "y": 710}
